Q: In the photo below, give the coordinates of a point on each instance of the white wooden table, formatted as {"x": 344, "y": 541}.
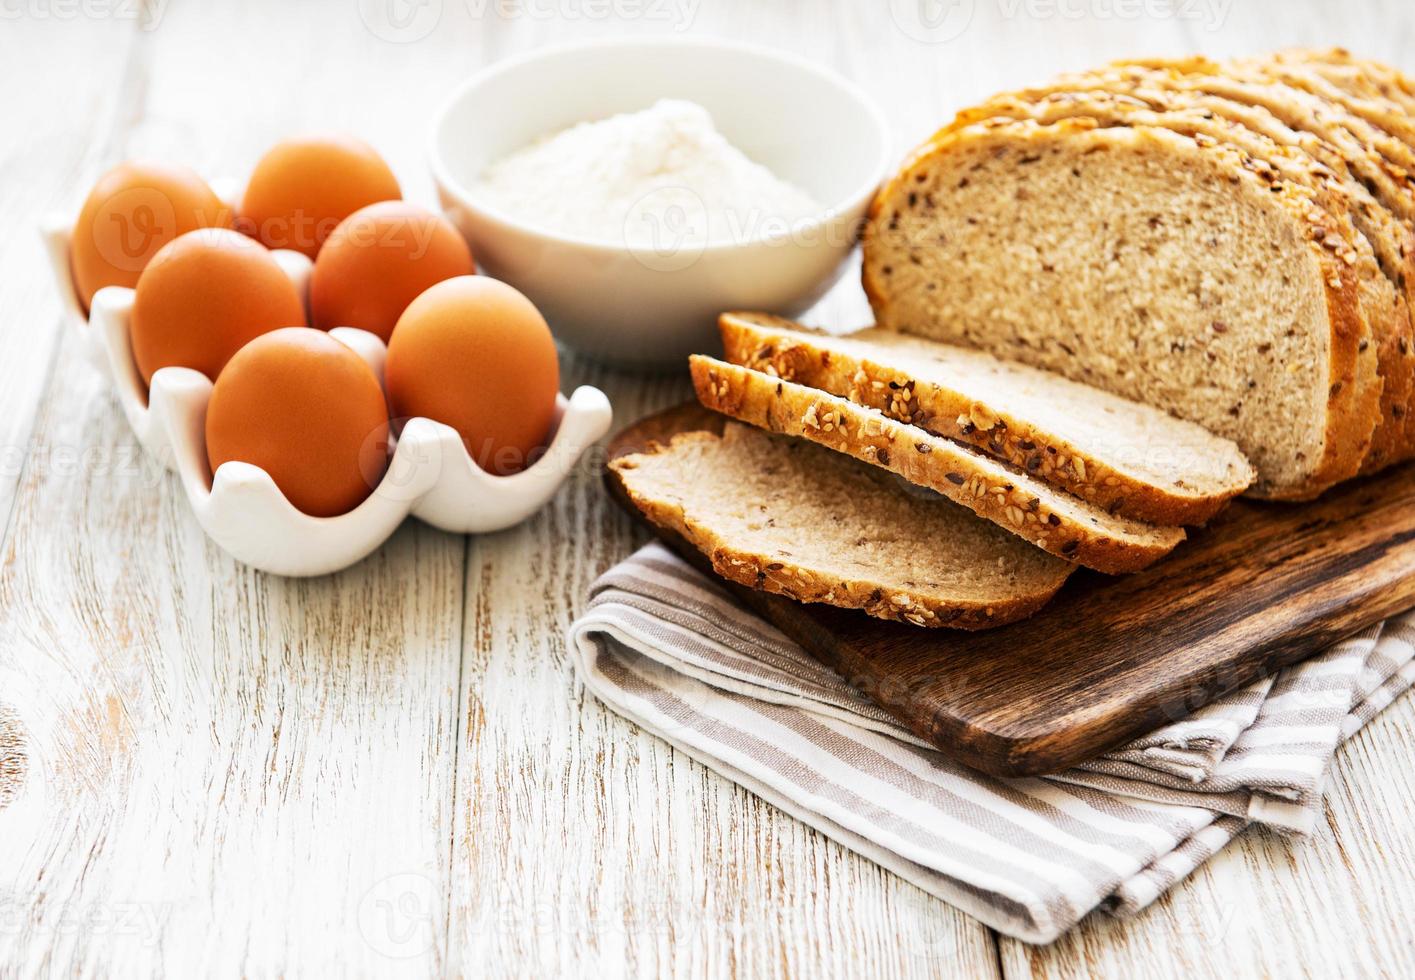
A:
{"x": 392, "y": 770}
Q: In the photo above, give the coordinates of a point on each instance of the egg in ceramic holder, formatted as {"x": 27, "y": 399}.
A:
{"x": 430, "y": 475}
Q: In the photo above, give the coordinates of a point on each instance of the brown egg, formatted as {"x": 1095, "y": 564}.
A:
{"x": 308, "y": 411}
{"x": 377, "y": 262}
{"x": 203, "y": 296}
{"x": 475, "y": 354}
{"x": 303, "y": 187}
{"x": 134, "y": 210}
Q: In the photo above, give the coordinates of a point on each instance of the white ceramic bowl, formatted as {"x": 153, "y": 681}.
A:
{"x": 655, "y": 305}
{"x": 431, "y": 476}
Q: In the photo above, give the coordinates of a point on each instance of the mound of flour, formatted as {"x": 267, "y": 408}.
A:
{"x": 660, "y": 178}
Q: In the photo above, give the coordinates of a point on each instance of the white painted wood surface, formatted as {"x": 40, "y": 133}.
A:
{"x": 391, "y": 771}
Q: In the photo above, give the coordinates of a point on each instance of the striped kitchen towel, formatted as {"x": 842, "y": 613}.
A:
{"x": 667, "y": 648}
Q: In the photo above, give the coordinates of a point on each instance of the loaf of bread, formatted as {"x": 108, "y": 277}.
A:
{"x": 1124, "y": 457}
{"x": 788, "y": 517}
{"x": 1231, "y": 244}
{"x": 1384, "y": 248}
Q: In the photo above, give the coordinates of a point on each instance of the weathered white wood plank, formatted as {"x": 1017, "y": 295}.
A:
{"x": 74, "y": 119}
{"x": 59, "y": 125}
{"x": 227, "y": 773}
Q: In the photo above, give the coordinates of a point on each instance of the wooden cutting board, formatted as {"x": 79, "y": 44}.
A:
{"x": 1262, "y": 586}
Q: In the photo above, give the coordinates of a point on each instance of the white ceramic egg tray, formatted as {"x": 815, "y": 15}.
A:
{"x": 430, "y": 474}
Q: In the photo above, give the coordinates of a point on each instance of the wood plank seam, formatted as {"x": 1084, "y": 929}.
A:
{"x": 458, "y": 735}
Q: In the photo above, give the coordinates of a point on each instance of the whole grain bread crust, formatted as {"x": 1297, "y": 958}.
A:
{"x": 1353, "y": 407}
{"x": 766, "y": 572}
{"x": 1375, "y": 120}
{"x": 1359, "y": 76}
{"x": 992, "y": 427}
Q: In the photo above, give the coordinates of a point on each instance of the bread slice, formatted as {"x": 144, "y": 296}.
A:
{"x": 1324, "y": 130}
{"x": 1122, "y": 456}
{"x": 1054, "y": 520}
{"x": 1135, "y": 260}
{"x": 788, "y": 517}
{"x": 1384, "y": 249}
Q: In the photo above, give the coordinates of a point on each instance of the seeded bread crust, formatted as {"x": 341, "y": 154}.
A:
{"x": 1055, "y": 521}
{"x": 1201, "y": 472}
{"x": 1299, "y": 110}
{"x": 1170, "y": 88}
{"x": 966, "y": 573}
{"x": 1377, "y": 121}
{"x": 1376, "y": 239}
{"x": 1351, "y": 405}
{"x": 1369, "y": 79}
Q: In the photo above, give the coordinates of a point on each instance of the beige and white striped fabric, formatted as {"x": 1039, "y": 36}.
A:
{"x": 664, "y": 646}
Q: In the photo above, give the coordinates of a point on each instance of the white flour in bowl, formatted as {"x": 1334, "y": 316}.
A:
{"x": 660, "y": 178}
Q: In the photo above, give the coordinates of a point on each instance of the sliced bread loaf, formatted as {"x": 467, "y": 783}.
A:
{"x": 1355, "y": 167}
{"x": 1381, "y": 244}
{"x": 801, "y": 521}
{"x": 1135, "y": 260}
{"x": 1375, "y": 164}
{"x": 1053, "y": 520}
{"x": 1123, "y": 456}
